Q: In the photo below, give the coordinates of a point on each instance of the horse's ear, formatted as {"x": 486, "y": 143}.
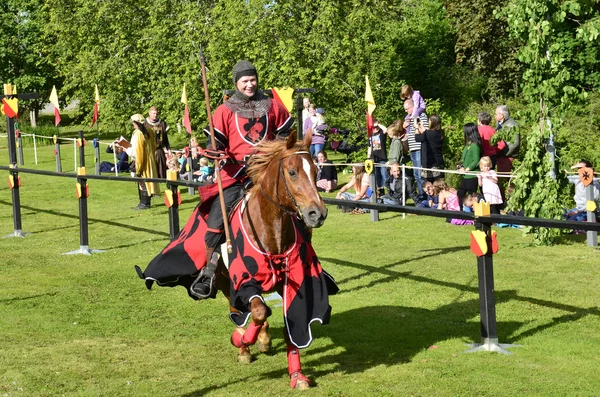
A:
{"x": 307, "y": 138}
{"x": 291, "y": 140}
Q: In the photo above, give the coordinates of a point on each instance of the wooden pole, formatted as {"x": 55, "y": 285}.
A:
{"x": 214, "y": 146}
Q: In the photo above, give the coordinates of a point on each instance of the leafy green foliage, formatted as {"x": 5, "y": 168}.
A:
{"x": 26, "y": 55}
{"x": 551, "y": 49}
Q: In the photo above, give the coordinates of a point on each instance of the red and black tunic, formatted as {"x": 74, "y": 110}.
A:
{"x": 297, "y": 274}
{"x": 305, "y": 286}
{"x": 240, "y": 135}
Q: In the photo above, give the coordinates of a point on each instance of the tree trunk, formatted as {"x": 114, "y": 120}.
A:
{"x": 33, "y": 116}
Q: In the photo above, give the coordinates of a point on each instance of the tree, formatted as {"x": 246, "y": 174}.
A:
{"x": 26, "y": 58}
{"x": 483, "y": 43}
{"x": 551, "y": 45}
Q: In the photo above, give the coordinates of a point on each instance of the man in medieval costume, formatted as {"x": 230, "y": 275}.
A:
{"x": 160, "y": 128}
{"x": 143, "y": 146}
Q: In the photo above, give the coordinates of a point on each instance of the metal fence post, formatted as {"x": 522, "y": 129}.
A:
{"x": 373, "y": 183}
{"x": 97, "y": 154}
{"x": 14, "y": 180}
{"x": 592, "y": 237}
{"x": 19, "y": 147}
{"x": 82, "y": 193}
{"x": 487, "y": 302}
{"x": 57, "y": 153}
{"x": 173, "y": 201}
{"x": 191, "y": 190}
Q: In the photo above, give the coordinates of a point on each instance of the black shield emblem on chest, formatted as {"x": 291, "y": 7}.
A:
{"x": 254, "y": 130}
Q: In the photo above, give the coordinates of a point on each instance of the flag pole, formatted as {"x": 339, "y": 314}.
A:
{"x": 214, "y": 146}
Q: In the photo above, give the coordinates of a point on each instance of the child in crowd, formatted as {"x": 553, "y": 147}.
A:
{"x": 173, "y": 164}
{"x": 396, "y": 132}
{"x": 432, "y": 199}
{"x": 488, "y": 180}
{"x": 470, "y": 200}
{"x": 180, "y": 158}
{"x": 205, "y": 171}
{"x": 408, "y": 93}
{"x": 448, "y": 200}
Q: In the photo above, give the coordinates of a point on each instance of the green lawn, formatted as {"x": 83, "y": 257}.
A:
{"x": 408, "y": 304}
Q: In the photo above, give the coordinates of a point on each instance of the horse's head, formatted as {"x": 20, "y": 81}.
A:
{"x": 284, "y": 172}
{"x": 300, "y": 182}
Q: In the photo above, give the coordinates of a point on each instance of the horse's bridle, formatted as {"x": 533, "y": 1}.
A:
{"x": 298, "y": 213}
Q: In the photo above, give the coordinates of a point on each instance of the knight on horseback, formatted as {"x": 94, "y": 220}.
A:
{"x": 245, "y": 120}
{"x": 269, "y": 222}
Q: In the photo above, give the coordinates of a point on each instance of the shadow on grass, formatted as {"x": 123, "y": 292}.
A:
{"x": 381, "y": 335}
{"x": 24, "y": 298}
{"x": 391, "y": 275}
{"x": 570, "y": 239}
{"x": 575, "y": 313}
{"x": 91, "y": 220}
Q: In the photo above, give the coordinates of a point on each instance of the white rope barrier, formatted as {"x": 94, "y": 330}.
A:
{"x": 50, "y": 137}
{"x": 500, "y": 174}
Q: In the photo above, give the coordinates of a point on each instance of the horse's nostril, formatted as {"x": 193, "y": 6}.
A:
{"x": 314, "y": 215}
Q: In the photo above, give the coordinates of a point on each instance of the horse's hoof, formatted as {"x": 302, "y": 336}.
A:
{"x": 263, "y": 347}
{"x": 298, "y": 381}
{"x": 244, "y": 357}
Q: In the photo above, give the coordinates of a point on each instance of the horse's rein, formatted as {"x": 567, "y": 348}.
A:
{"x": 298, "y": 213}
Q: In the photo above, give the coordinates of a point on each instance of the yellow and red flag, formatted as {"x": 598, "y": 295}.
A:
{"x": 186, "y": 112}
{"x": 284, "y": 96}
{"x": 54, "y": 101}
{"x": 370, "y": 106}
{"x": 10, "y": 106}
{"x": 96, "y": 106}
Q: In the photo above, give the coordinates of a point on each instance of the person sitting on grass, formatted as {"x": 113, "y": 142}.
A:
{"x": 122, "y": 157}
{"x": 470, "y": 200}
{"x": 327, "y": 175}
{"x": 448, "y": 200}
{"x": 361, "y": 185}
{"x": 394, "y": 186}
{"x": 432, "y": 199}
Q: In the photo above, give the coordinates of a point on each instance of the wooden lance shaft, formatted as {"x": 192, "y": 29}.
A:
{"x": 214, "y": 146}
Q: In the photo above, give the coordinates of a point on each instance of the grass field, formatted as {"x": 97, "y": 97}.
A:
{"x": 408, "y": 304}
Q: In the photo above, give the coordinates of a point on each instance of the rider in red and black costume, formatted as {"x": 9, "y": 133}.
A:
{"x": 241, "y": 123}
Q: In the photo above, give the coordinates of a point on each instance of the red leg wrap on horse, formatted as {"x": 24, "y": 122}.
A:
{"x": 251, "y": 334}
{"x": 293, "y": 356}
{"x": 247, "y": 338}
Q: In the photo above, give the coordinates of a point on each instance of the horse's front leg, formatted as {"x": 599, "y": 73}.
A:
{"x": 242, "y": 339}
{"x": 297, "y": 379}
{"x": 264, "y": 339}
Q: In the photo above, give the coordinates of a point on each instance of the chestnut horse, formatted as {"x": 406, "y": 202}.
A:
{"x": 270, "y": 231}
{"x": 277, "y": 212}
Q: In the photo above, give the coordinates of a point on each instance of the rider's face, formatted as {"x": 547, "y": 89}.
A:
{"x": 247, "y": 85}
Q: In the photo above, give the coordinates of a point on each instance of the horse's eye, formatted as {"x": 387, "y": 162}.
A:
{"x": 292, "y": 173}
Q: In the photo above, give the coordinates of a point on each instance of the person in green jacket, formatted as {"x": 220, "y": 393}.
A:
{"x": 470, "y": 162}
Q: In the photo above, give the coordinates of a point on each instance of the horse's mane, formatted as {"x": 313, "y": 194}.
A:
{"x": 269, "y": 151}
